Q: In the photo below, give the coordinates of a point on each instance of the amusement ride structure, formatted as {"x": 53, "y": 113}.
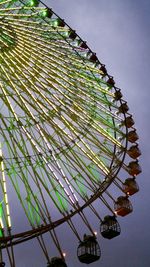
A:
{"x": 67, "y": 140}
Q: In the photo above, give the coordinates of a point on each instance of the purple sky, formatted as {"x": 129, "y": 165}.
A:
{"x": 119, "y": 32}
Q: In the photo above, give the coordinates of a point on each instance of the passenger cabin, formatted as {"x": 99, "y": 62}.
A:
{"x": 134, "y": 168}
{"x": 48, "y": 13}
{"x": 111, "y": 81}
{"x": 134, "y": 152}
{"x": 72, "y": 35}
{"x": 129, "y": 122}
{"x": 123, "y": 108}
{"x": 118, "y": 95}
{"x": 88, "y": 250}
{"x": 84, "y": 45}
{"x": 110, "y": 227}
{"x": 93, "y": 57}
{"x": 103, "y": 69}
{"x": 130, "y": 186}
{"x": 132, "y": 136}
{"x": 123, "y": 206}
{"x": 60, "y": 22}
{"x": 57, "y": 262}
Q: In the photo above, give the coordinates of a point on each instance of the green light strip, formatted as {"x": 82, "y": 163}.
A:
{"x": 4, "y": 188}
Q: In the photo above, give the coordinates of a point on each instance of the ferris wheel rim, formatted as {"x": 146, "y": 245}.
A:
{"x": 98, "y": 192}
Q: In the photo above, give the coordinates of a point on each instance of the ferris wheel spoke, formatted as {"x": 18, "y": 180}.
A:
{"x": 15, "y": 15}
{"x": 75, "y": 180}
{"x": 34, "y": 41}
{"x": 108, "y": 206}
{"x": 90, "y": 179}
{"x": 46, "y": 162}
{"x": 53, "y": 173}
{"x": 79, "y": 153}
{"x": 30, "y": 25}
{"x": 74, "y": 161}
{"x": 54, "y": 67}
{"x": 17, "y": 169}
{"x": 20, "y": 170}
{"x": 58, "y": 166}
{"x": 87, "y": 151}
{"x": 65, "y": 178}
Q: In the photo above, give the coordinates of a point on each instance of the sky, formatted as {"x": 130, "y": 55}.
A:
{"x": 119, "y": 32}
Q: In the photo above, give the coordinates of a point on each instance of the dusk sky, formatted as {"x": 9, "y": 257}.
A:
{"x": 119, "y": 32}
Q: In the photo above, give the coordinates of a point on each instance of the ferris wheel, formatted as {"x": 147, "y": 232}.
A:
{"x": 67, "y": 140}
